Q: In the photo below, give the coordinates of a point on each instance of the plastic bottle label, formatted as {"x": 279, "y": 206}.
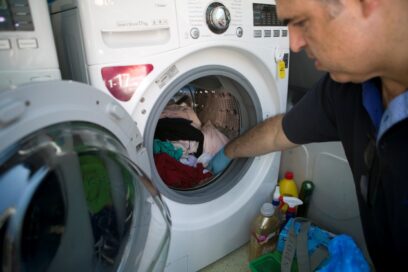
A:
{"x": 263, "y": 239}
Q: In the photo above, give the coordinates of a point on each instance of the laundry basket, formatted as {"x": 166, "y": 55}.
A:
{"x": 270, "y": 262}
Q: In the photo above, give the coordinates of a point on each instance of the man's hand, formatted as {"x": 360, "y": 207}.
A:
{"x": 219, "y": 162}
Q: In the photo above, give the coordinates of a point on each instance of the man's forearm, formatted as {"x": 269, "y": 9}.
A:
{"x": 265, "y": 137}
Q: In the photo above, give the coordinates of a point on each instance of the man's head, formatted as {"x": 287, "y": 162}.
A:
{"x": 345, "y": 37}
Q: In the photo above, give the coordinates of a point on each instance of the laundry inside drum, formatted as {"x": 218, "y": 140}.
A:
{"x": 198, "y": 121}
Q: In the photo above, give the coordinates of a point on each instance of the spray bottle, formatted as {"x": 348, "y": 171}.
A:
{"x": 287, "y": 187}
{"x": 292, "y": 202}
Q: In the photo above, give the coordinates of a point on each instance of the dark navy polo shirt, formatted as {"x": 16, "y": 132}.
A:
{"x": 376, "y": 145}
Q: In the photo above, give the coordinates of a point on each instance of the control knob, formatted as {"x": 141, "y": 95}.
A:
{"x": 218, "y": 18}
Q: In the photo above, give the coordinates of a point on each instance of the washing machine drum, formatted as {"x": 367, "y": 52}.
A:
{"x": 71, "y": 197}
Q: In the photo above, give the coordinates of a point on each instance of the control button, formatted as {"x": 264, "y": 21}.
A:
{"x": 267, "y": 33}
{"x": 194, "y": 33}
{"x": 21, "y": 13}
{"x": 24, "y": 25}
{"x": 5, "y": 44}
{"x": 239, "y": 32}
{"x": 284, "y": 33}
{"x": 257, "y": 33}
{"x": 18, "y": 3}
{"x": 276, "y": 33}
{"x": 218, "y": 18}
{"x": 18, "y": 10}
{"x": 160, "y": 3}
{"x": 27, "y": 43}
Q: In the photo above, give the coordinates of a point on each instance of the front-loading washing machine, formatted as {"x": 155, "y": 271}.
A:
{"x": 72, "y": 196}
{"x": 229, "y": 58}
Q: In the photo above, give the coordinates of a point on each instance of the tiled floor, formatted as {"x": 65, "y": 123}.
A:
{"x": 236, "y": 261}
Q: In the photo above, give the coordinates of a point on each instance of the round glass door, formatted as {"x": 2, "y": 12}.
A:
{"x": 71, "y": 200}
{"x": 193, "y": 119}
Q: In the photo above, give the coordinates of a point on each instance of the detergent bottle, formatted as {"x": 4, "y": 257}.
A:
{"x": 264, "y": 231}
{"x": 287, "y": 187}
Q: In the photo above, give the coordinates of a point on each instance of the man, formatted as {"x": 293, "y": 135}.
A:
{"x": 363, "y": 44}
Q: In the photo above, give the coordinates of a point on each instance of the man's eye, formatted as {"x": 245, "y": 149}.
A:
{"x": 300, "y": 23}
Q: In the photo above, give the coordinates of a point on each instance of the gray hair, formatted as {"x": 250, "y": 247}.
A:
{"x": 334, "y": 7}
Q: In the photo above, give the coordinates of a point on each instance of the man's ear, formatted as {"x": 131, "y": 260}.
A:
{"x": 368, "y": 7}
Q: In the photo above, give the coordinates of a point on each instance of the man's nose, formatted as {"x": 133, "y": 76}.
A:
{"x": 296, "y": 39}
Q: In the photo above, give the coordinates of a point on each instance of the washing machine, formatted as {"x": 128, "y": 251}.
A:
{"x": 74, "y": 196}
{"x": 27, "y": 49}
{"x": 229, "y": 58}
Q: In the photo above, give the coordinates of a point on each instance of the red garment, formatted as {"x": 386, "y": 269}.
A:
{"x": 178, "y": 175}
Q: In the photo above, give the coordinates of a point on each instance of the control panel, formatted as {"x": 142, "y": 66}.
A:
{"x": 230, "y": 19}
{"x": 265, "y": 17}
{"x": 254, "y": 23}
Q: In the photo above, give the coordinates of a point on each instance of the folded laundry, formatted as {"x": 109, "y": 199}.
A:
{"x": 178, "y": 175}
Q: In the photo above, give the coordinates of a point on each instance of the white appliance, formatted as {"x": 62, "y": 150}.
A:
{"x": 73, "y": 196}
{"x": 144, "y": 52}
{"x": 27, "y": 49}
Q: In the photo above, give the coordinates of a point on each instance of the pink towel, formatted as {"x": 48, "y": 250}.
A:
{"x": 214, "y": 140}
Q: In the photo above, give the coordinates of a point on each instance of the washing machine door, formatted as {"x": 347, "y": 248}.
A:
{"x": 71, "y": 195}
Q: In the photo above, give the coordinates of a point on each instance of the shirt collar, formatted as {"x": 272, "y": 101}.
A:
{"x": 397, "y": 110}
{"x": 383, "y": 119}
{"x": 372, "y": 101}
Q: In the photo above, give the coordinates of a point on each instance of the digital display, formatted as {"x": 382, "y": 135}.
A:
{"x": 6, "y": 23}
{"x": 15, "y": 16}
{"x": 265, "y": 15}
{"x": 122, "y": 81}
